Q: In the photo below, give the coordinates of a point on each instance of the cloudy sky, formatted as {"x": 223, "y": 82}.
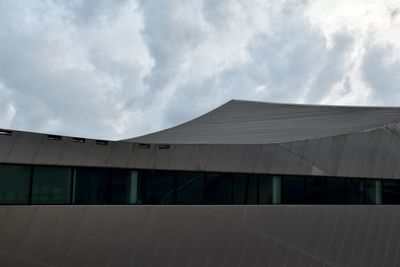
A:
{"x": 118, "y": 69}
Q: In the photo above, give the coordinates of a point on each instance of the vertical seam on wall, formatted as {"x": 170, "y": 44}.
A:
{"x": 37, "y": 150}
{"x": 133, "y": 146}
{"x": 12, "y": 146}
{"x": 109, "y": 153}
{"x": 257, "y": 158}
{"x": 171, "y": 156}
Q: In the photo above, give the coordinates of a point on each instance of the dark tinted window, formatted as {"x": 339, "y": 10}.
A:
{"x": 218, "y": 188}
{"x": 239, "y": 188}
{"x": 63, "y": 185}
{"x": 14, "y": 184}
{"x": 335, "y": 190}
{"x": 265, "y": 189}
{"x": 158, "y": 187}
{"x": 190, "y": 188}
{"x": 51, "y": 185}
{"x": 102, "y": 186}
{"x": 371, "y": 193}
{"x": 134, "y": 191}
{"x": 315, "y": 190}
{"x": 391, "y": 192}
{"x": 355, "y": 191}
{"x": 119, "y": 185}
{"x": 361, "y": 191}
{"x": 292, "y": 190}
{"x": 252, "y": 189}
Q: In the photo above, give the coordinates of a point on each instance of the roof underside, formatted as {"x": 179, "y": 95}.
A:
{"x": 246, "y": 122}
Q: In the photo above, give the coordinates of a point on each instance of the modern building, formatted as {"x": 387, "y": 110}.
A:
{"x": 247, "y": 184}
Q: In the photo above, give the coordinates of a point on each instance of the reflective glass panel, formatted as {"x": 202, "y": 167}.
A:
{"x": 239, "y": 190}
{"x": 371, "y": 193}
{"x": 252, "y": 189}
{"x": 189, "y": 188}
{"x": 355, "y": 191}
{"x": 218, "y": 188}
{"x": 119, "y": 186}
{"x": 315, "y": 188}
{"x": 51, "y": 185}
{"x": 14, "y": 184}
{"x": 265, "y": 190}
{"x": 158, "y": 187}
{"x": 391, "y": 192}
{"x": 292, "y": 190}
{"x": 102, "y": 186}
{"x": 134, "y": 192}
{"x": 335, "y": 190}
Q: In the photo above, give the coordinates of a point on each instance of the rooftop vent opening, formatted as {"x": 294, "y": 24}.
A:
{"x": 5, "y": 132}
{"x": 144, "y": 145}
{"x": 163, "y": 146}
{"x": 78, "y": 140}
{"x": 101, "y": 142}
{"x": 54, "y": 137}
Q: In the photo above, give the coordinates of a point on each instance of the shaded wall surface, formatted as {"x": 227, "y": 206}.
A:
{"x": 368, "y": 154}
{"x": 199, "y": 236}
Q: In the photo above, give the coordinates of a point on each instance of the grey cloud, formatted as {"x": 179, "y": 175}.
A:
{"x": 72, "y": 100}
{"x": 83, "y": 12}
{"x": 6, "y": 107}
{"x": 291, "y": 61}
{"x": 394, "y": 12}
{"x": 297, "y": 60}
{"x": 334, "y": 66}
{"x": 63, "y": 70}
{"x": 380, "y": 70}
{"x": 169, "y": 35}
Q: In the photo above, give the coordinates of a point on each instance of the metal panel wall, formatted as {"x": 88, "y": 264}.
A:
{"x": 6, "y": 143}
{"x": 199, "y": 235}
{"x": 369, "y": 154}
{"x": 25, "y": 147}
{"x": 120, "y": 153}
{"x": 49, "y": 152}
{"x": 74, "y": 152}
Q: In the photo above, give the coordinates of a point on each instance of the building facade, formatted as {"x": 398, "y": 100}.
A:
{"x": 247, "y": 184}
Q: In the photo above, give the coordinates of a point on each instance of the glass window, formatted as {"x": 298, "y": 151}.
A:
{"x": 354, "y": 191}
{"x": 372, "y": 191}
{"x": 90, "y": 186}
{"x": 276, "y": 189}
{"x": 293, "y": 190}
{"x": 51, "y": 185}
{"x": 391, "y": 192}
{"x": 14, "y": 184}
{"x": 335, "y": 190}
{"x": 158, "y": 187}
{"x": 315, "y": 190}
{"x": 102, "y": 186}
{"x": 134, "y": 192}
{"x": 378, "y": 191}
{"x": 189, "y": 188}
{"x": 252, "y": 189}
{"x": 218, "y": 188}
{"x": 360, "y": 191}
{"x": 239, "y": 190}
{"x": 118, "y": 187}
{"x": 245, "y": 189}
{"x": 265, "y": 190}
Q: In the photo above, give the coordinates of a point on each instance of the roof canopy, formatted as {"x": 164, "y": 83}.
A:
{"x": 246, "y": 122}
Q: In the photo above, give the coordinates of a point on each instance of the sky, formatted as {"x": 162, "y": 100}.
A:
{"x": 122, "y": 68}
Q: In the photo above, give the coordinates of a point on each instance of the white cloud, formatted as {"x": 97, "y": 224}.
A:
{"x": 116, "y": 69}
